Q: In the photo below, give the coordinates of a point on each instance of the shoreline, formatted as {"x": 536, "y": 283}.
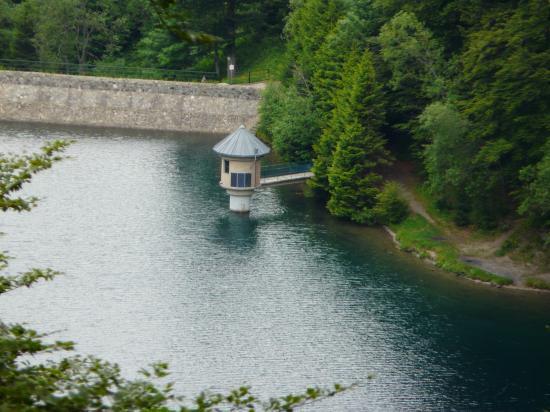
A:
{"x": 431, "y": 260}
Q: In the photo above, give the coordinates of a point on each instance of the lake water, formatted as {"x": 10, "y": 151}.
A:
{"x": 157, "y": 268}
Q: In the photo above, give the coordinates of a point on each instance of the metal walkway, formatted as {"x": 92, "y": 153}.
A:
{"x": 285, "y": 179}
{"x": 285, "y": 174}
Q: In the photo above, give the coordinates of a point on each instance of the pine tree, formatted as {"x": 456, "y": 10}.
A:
{"x": 353, "y": 179}
{"x": 330, "y": 59}
{"x": 335, "y": 127}
{"x": 307, "y": 26}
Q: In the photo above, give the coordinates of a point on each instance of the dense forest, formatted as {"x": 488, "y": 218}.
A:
{"x": 460, "y": 88}
{"x": 197, "y": 35}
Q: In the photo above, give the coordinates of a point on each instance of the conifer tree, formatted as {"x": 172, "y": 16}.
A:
{"x": 353, "y": 178}
{"x": 335, "y": 126}
{"x": 330, "y": 59}
{"x": 307, "y": 25}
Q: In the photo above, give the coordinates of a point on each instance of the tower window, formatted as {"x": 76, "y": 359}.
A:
{"x": 241, "y": 179}
{"x": 226, "y": 166}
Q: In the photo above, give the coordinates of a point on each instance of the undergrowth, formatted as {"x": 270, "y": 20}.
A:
{"x": 415, "y": 234}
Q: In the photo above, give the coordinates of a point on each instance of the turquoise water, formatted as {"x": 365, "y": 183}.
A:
{"x": 157, "y": 268}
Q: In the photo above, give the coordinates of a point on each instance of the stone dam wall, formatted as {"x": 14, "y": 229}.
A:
{"x": 127, "y": 103}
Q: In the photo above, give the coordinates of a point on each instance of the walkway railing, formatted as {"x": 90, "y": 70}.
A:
{"x": 128, "y": 72}
{"x": 251, "y": 77}
{"x": 107, "y": 70}
{"x": 280, "y": 169}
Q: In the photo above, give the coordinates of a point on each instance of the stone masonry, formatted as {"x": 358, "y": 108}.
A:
{"x": 127, "y": 103}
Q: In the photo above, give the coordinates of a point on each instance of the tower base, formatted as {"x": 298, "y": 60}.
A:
{"x": 240, "y": 202}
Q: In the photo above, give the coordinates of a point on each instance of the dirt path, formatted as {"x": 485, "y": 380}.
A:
{"x": 402, "y": 173}
{"x": 474, "y": 251}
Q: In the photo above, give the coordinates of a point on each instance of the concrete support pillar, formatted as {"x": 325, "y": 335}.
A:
{"x": 240, "y": 202}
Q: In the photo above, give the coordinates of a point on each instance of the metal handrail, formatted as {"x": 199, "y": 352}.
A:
{"x": 128, "y": 71}
{"x": 280, "y": 169}
{"x": 253, "y": 76}
{"x": 102, "y": 69}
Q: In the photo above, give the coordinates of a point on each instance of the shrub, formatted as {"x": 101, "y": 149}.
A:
{"x": 288, "y": 119}
{"x": 270, "y": 109}
{"x": 391, "y": 207}
{"x": 507, "y": 246}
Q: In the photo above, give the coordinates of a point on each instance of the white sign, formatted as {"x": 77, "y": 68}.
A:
{"x": 231, "y": 67}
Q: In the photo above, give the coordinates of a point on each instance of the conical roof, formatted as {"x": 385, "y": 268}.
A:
{"x": 242, "y": 143}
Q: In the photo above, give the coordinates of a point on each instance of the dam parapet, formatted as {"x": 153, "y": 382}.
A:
{"x": 127, "y": 103}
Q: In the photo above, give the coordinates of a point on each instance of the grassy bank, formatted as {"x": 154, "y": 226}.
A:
{"x": 537, "y": 283}
{"x": 416, "y": 235}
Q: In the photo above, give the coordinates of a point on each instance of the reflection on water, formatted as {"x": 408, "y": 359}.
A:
{"x": 236, "y": 231}
{"x": 157, "y": 268}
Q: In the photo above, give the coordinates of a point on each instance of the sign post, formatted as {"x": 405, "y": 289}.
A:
{"x": 231, "y": 69}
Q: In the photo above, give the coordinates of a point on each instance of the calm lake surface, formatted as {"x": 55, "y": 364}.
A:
{"x": 157, "y": 268}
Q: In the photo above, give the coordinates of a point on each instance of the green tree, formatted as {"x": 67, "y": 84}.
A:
{"x": 307, "y": 25}
{"x": 127, "y": 23}
{"x": 535, "y": 195}
{"x": 391, "y": 207}
{"x": 159, "y": 48}
{"x": 340, "y": 116}
{"x": 177, "y": 20}
{"x": 270, "y": 109}
{"x": 447, "y": 156}
{"x": 448, "y": 20}
{"x": 6, "y": 28}
{"x": 412, "y": 54}
{"x": 66, "y": 30}
{"x": 78, "y": 31}
{"x": 221, "y": 26}
{"x": 415, "y": 63}
{"x": 289, "y": 120}
{"x": 504, "y": 91}
{"x": 297, "y": 128}
{"x": 354, "y": 181}
{"x": 330, "y": 58}
{"x": 24, "y": 19}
